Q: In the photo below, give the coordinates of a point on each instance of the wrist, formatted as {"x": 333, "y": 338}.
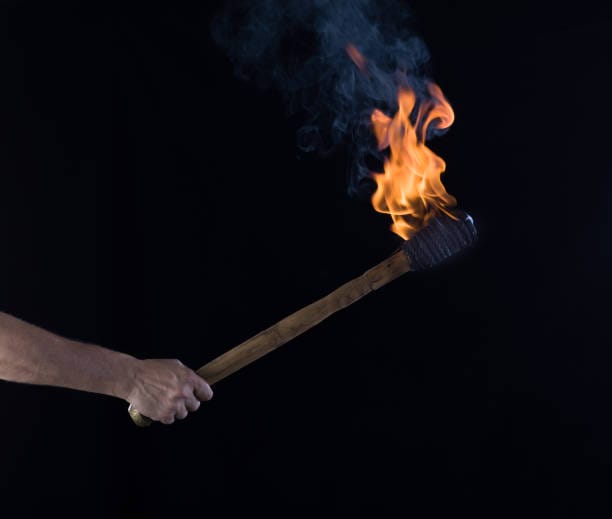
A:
{"x": 125, "y": 376}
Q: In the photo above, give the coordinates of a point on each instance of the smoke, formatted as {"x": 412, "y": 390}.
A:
{"x": 298, "y": 47}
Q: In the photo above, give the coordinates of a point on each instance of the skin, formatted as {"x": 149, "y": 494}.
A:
{"x": 165, "y": 390}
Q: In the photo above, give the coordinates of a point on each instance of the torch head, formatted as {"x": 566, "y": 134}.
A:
{"x": 444, "y": 236}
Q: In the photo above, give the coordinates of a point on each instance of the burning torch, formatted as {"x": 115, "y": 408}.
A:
{"x": 411, "y": 192}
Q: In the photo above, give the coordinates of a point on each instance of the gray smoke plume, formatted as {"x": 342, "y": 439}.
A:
{"x": 298, "y": 47}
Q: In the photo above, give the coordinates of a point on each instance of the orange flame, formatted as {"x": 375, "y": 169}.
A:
{"x": 410, "y": 189}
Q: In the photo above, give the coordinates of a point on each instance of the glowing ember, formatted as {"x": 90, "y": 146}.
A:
{"x": 410, "y": 188}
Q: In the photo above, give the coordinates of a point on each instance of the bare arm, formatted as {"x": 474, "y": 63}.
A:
{"x": 163, "y": 389}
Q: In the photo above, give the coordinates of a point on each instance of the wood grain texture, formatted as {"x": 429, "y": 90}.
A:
{"x": 297, "y": 323}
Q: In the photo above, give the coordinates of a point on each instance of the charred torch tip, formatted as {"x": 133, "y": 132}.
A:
{"x": 443, "y": 237}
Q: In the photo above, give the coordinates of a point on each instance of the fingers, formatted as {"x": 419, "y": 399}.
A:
{"x": 169, "y": 420}
{"x": 189, "y": 396}
{"x": 199, "y": 386}
{"x": 167, "y": 390}
{"x": 201, "y": 389}
{"x": 192, "y": 404}
{"x": 181, "y": 412}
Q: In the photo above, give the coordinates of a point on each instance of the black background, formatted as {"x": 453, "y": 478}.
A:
{"x": 153, "y": 203}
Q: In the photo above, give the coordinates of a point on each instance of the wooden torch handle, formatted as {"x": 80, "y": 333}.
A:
{"x": 296, "y": 323}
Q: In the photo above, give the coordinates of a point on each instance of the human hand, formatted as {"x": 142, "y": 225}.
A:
{"x": 166, "y": 390}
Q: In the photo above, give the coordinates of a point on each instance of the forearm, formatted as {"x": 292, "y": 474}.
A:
{"x": 29, "y": 354}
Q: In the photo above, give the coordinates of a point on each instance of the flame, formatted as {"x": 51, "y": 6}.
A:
{"x": 410, "y": 188}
